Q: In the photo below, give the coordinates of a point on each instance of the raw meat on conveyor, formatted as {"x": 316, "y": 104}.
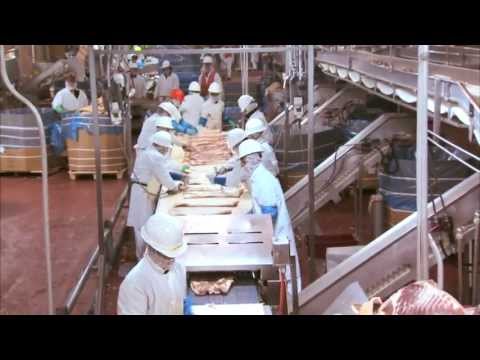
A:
{"x": 418, "y": 298}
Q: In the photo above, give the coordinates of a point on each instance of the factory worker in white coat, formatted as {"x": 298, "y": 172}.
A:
{"x": 137, "y": 82}
{"x": 70, "y": 98}
{"x": 149, "y": 165}
{"x": 267, "y": 197}
{"x": 255, "y": 129}
{"x": 167, "y": 126}
{"x": 212, "y": 110}
{"x": 157, "y": 285}
{"x": 164, "y": 123}
{"x": 231, "y": 174}
{"x": 149, "y": 126}
{"x": 250, "y": 109}
{"x": 166, "y": 83}
{"x": 191, "y": 107}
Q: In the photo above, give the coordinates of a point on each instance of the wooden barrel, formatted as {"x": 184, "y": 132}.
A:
{"x": 26, "y": 160}
{"x": 81, "y": 150}
{"x": 20, "y": 140}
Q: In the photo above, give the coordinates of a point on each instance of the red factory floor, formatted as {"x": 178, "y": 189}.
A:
{"x": 23, "y": 278}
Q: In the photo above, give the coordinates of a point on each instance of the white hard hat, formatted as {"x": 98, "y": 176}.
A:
{"x": 254, "y": 126}
{"x": 235, "y": 136}
{"x": 164, "y": 122}
{"x": 164, "y": 233}
{"x": 162, "y": 138}
{"x": 215, "y": 88}
{"x": 248, "y": 147}
{"x": 171, "y": 109}
{"x": 194, "y": 86}
{"x": 244, "y": 101}
{"x": 165, "y": 64}
{"x": 207, "y": 59}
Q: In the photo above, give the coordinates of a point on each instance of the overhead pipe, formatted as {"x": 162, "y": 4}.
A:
{"x": 422, "y": 164}
{"x": 236, "y": 50}
{"x": 43, "y": 149}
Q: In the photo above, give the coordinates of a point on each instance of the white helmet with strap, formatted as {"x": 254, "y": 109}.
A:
{"x": 214, "y": 88}
{"x": 164, "y": 233}
{"x": 248, "y": 147}
{"x": 235, "y": 137}
{"x": 162, "y": 138}
{"x": 244, "y": 101}
{"x": 255, "y": 126}
{"x": 194, "y": 87}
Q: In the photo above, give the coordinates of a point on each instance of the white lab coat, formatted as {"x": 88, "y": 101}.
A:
{"x": 269, "y": 160}
{"x": 146, "y": 290}
{"x": 148, "y": 129}
{"x": 166, "y": 84}
{"x": 254, "y": 58}
{"x": 214, "y": 114}
{"x": 191, "y": 108}
{"x": 266, "y": 191}
{"x": 148, "y": 165}
{"x": 140, "y": 86}
{"x": 68, "y": 101}
{"x": 237, "y": 175}
{"x": 228, "y": 60}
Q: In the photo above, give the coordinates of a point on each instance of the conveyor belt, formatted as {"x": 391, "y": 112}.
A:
{"x": 346, "y": 164}
{"x": 368, "y": 71}
{"x": 243, "y": 291}
{"x": 389, "y": 262}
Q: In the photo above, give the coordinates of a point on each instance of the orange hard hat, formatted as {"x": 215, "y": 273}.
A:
{"x": 177, "y": 94}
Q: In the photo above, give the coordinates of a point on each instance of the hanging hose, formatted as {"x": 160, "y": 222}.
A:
{"x": 43, "y": 146}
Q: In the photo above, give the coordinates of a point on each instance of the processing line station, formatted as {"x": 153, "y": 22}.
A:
{"x": 366, "y": 190}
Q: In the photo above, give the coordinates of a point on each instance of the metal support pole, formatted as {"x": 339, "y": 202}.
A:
{"x": 438, "y": 101}
{"x": 98, "y": 183}
{"x": 286, "y": 137}
{"x": 311, "y": 160}
{"x": 476, "y": 255}
{"x": 422, "y": 164}
{"x": 43, "y": 148}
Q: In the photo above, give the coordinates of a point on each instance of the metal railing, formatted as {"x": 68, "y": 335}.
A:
{"x": 43, "y": 149}
{"x": 110, "y": 243}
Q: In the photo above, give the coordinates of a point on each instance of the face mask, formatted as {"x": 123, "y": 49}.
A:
{"x": 215, "y": 98}
{"x": 161, "y": 263}
{"x": 251, "y": 163}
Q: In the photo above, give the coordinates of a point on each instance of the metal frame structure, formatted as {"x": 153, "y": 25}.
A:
{"x": 100, "y": 253}
{"x": 422, "y": 164}
{"x": 43, "y": 147}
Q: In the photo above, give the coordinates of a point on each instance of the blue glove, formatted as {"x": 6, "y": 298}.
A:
{"x": 179, "y": 127}
{"x": 203, "y": 121}
{"x": 187, "y": 306}
{"x": 189, "y": 128}
{"x": 220, "y": 180}
{"x": 176, "y": 176}
{"x": 270, "y": 210}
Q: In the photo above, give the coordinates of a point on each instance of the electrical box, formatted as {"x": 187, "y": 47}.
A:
{"x": 298, "y": 107}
